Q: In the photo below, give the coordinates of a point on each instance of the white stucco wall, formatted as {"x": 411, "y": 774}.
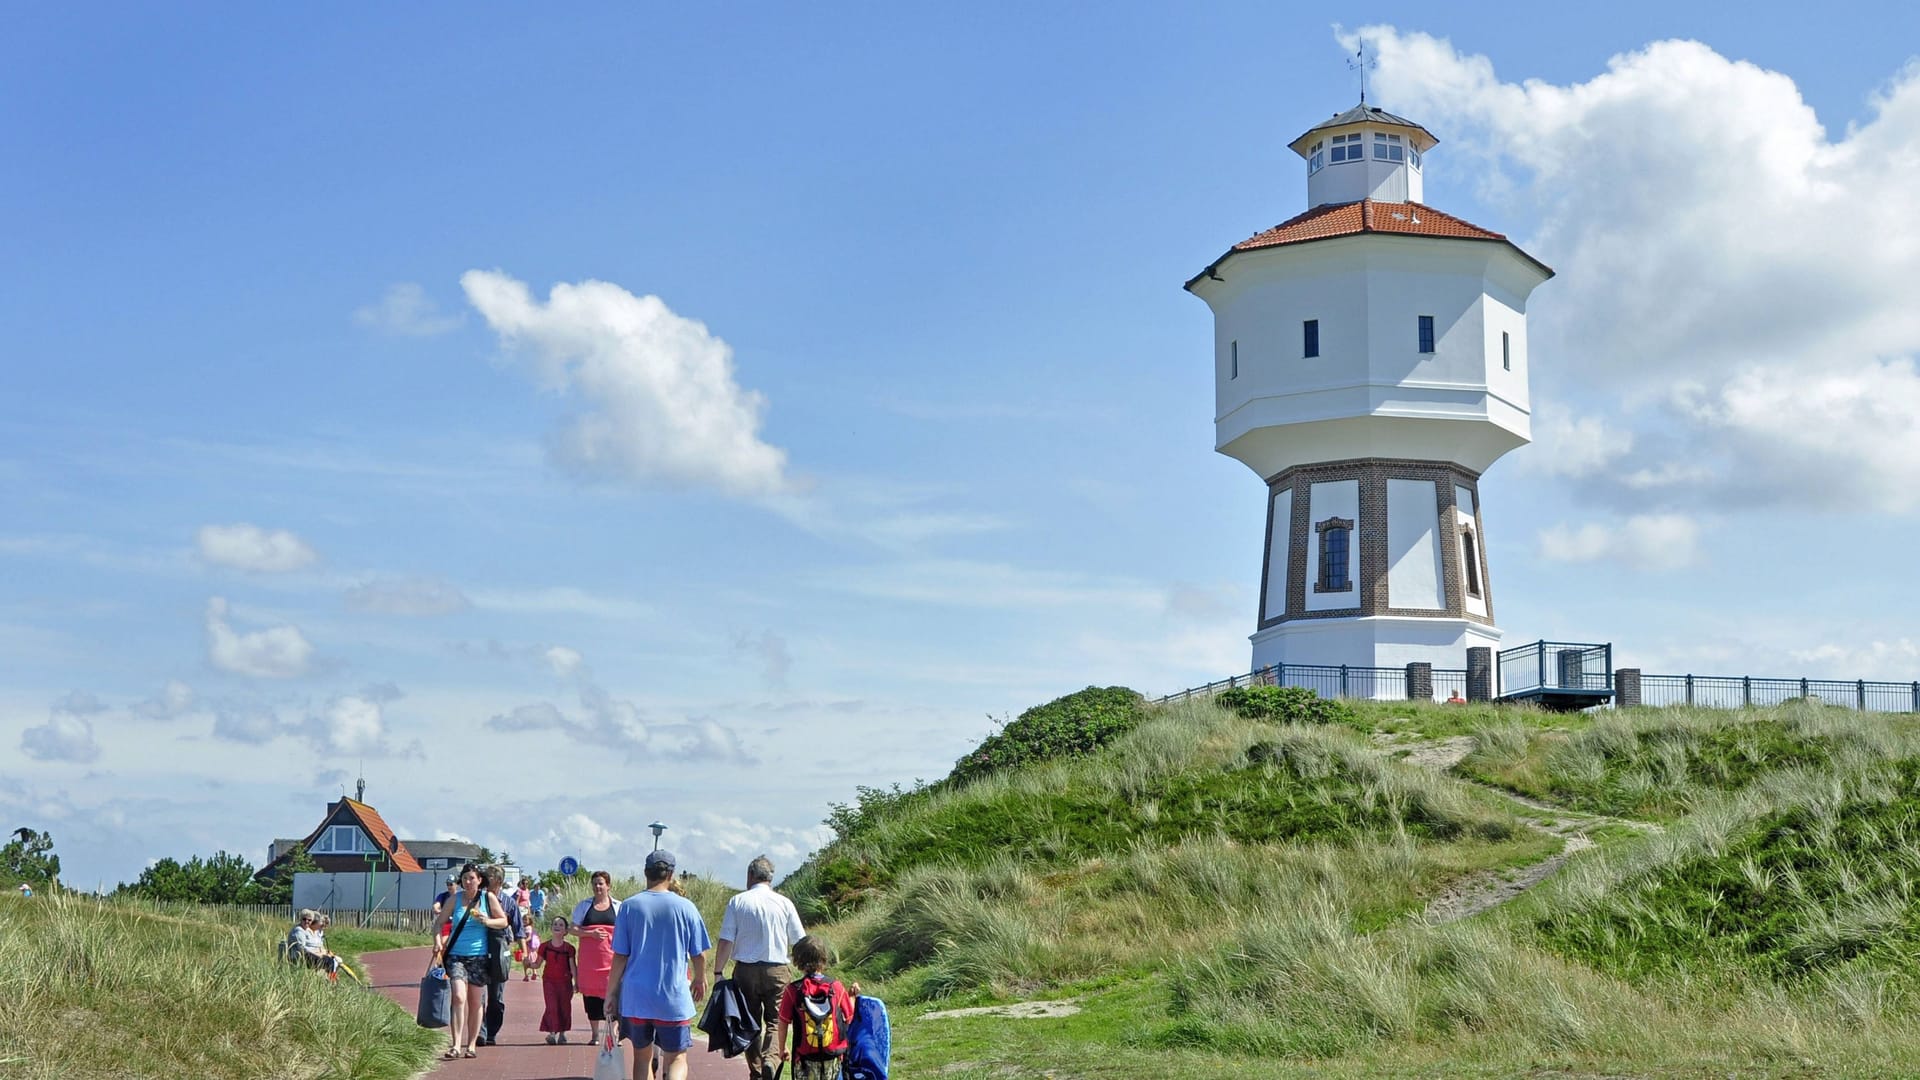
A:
{"x": 1279, "y": 541}
{"x": 1378, "y": 641}
{"x": 1334, "y": 499}
{"x": 1368, "y": 292}
{"x": 1413, "y": 545}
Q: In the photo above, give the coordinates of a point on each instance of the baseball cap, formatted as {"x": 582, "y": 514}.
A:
{"x": 662, "y": 857}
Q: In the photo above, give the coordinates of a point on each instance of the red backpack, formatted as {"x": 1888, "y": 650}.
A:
{"x": 822, "y": 1031}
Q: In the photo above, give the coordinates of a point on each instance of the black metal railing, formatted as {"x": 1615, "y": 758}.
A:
{"x": 1331, "y": 681}
{"x": 1555, "y": 665}
{"x": 1742, "y": 691}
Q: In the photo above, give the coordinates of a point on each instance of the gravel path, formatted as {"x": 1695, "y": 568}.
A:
{"x": 1486, "y": 889}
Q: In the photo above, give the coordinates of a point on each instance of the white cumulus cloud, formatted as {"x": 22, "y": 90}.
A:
{"x": 279, "y": 652}
{"x": 1645, "y": 541}
{"x": 657, "y": 391}
{"x": 658, "y": 400}
{"x": 252, "y": 548}
{"x": 1734, "y": 277}
{"x": 66, "y": 736}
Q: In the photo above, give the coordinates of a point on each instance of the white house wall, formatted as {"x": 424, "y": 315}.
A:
{"x": 1414, "y": 572}
{"x": 1334, "y": 499}
{"x": 1279, "y": 541}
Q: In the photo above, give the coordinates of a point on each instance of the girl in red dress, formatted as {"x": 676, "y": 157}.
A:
{"x": 556, "y": 982}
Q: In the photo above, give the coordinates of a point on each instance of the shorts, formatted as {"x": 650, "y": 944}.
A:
{"x": 826, "y": 1068}
{"x": 468, "y": 969}
{"x": 673, "y": 1038}
{"x": 596, "y": 1007}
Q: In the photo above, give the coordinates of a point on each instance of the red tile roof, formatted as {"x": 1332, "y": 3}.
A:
{"x": 1366, "y": 216}
{"x": 382, "y": 835}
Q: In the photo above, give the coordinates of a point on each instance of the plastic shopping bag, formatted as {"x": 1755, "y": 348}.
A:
{"x": 612, "y": 1064}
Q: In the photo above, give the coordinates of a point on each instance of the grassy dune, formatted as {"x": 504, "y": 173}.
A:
{"x": 90, "y": 989}
{"x": 1226, "y": 897}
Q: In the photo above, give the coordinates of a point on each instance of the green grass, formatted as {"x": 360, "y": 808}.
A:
{"x": 1192, "y": 771}
{"x": 90, "y": 988}
{"x": 1228, "y": 898}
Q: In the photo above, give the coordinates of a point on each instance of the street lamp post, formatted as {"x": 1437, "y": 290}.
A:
{"x": 657, "y": 830}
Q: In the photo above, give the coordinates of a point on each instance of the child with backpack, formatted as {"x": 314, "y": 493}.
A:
{"x": 818, "y": 1009}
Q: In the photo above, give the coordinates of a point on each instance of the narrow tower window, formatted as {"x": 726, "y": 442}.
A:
{"x": 1310, "y": 338}
{"x": 1317, "y": 157}
{"x": 1336, "y": 542}
{"x": 1470, "y": 561}
{"x": 1506, "y": 352}
{"x": 1386, "y": 147}
{"x": 1233, "y": 360}
{"x": 1426, "y": 333}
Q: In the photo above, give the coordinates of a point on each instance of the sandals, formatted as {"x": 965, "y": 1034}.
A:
{"x": 469, "y": 1052}
{"x": 452, "y": 1053}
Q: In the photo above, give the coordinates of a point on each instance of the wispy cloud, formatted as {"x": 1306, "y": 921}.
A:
{"x": 406, "y": 311}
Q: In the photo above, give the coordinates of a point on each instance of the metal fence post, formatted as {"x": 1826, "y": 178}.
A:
{"x": 1283, "y": 675}
{"x": 1230, "y": 679}
{"x": 1689, "y": 689}
{"x": 1860, "y": 693}
{"x": 1542, "y": 657}
{"x": 1746, "y": 690}
{"x": 1916, "y": 696}
{"x": 1343, "y": 681}
{"x": 1803, "y": 688}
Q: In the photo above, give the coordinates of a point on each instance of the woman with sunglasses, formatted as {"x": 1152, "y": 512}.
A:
{"x": 471, "y": 912}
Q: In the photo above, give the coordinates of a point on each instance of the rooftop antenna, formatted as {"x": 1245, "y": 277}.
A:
{"x": 1359, "y": 62}
{"x": 360, "y": 785}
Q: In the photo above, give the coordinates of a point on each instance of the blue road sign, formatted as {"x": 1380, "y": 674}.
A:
{"x": 569, "y": 866}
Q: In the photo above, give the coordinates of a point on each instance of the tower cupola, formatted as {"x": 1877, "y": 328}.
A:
{"x": 1364, "y": 153}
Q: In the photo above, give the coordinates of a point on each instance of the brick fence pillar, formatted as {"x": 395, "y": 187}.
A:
{"x": 1626, "y": 688}
{"x": 1419, "y": 682}
{"x": 1480, "y": 673}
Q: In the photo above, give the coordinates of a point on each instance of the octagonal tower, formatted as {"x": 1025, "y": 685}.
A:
{"x": 1370, "y": 363}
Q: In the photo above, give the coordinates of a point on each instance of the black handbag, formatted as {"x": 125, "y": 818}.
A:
{"x": 499, "y": 955}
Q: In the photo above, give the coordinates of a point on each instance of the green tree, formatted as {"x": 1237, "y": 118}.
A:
{"x": 278, "y": 889}
{"x": 28, "y": 857}
{"x": 223, "y": 878}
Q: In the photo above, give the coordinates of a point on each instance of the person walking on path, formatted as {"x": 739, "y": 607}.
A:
{"x": 556, "y": 982}
{"x": 592, "y": 927}
{"x": 537, "y": 900}
{"x": 474, "y": 912}
{"x": 516, "y": 933}
{"x": 658, "y": 938}
{"x": 757, "y": 934}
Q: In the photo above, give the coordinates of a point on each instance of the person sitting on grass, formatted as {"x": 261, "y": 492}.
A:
{"x": 818, "y": 1008}
{"x": 307, "y": 942}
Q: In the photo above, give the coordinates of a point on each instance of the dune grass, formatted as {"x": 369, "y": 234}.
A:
{"x": 103, "y": 989}
{"x": 1248, "y": 896}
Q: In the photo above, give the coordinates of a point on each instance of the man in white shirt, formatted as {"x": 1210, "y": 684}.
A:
{"x": 757, "y": 931}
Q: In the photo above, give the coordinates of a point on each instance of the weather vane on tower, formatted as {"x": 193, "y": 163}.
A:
{"x": 1359, "y": 62}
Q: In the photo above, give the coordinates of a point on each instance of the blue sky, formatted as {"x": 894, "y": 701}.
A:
{"x": 303, "y": 466}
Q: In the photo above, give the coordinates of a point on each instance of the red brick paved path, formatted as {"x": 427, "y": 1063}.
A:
{"x": 523, "y": 1053}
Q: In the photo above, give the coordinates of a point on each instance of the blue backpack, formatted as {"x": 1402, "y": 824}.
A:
{"x": 869, "y": 1041}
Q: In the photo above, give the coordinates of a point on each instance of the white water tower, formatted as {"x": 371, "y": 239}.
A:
{"x": 1370, "y": 360}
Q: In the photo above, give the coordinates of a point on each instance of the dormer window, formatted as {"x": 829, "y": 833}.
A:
{"x": 1348, "y": 148}
{"x": 1316, "y": 157}
{"x": 1387, "y": 147}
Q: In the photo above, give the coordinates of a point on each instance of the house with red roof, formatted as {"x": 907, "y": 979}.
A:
{"x": 352, "y": 838}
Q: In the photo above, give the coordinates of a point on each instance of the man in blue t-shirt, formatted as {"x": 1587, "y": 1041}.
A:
{"x": 657, "y": 938}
